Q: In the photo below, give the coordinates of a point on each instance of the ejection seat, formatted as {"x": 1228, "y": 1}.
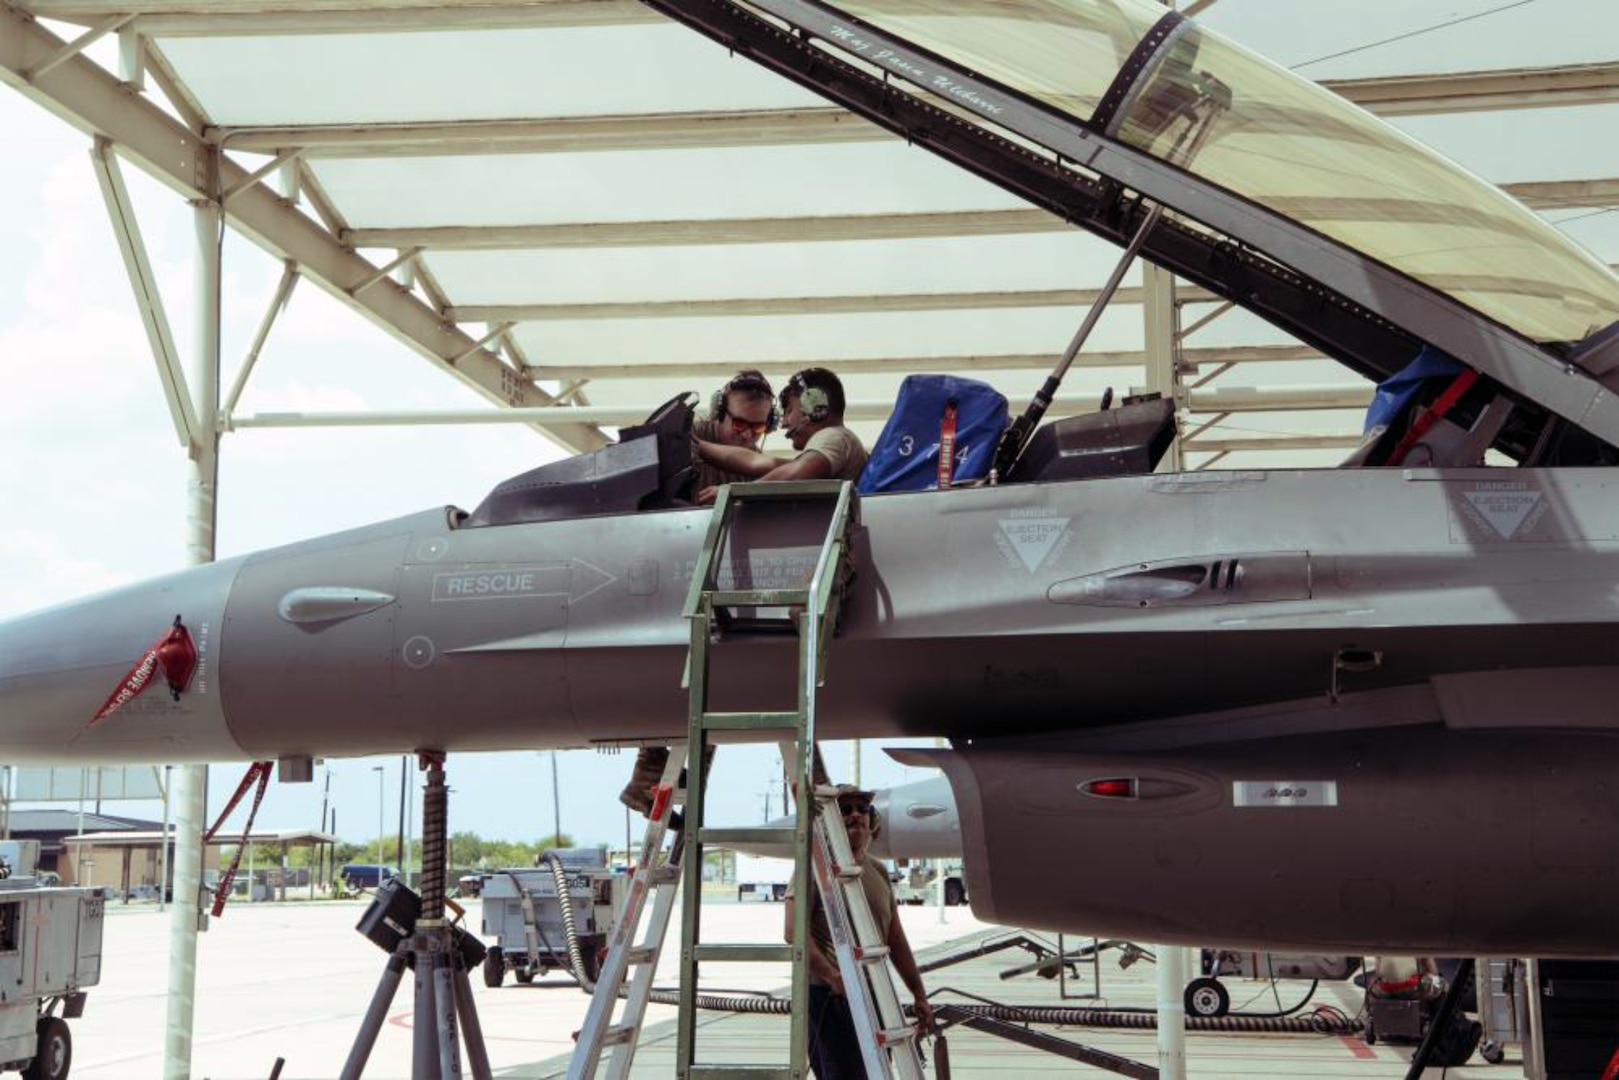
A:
{"x": 649, "y": 468}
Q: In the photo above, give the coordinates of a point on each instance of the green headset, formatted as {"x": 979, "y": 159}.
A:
{"x": 815, "y": 402}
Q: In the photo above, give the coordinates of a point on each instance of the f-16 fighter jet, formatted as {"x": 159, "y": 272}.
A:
{"x": 1369, "y": 708}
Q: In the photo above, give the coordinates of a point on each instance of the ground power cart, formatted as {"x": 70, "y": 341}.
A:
{"x": 50, "y": 951}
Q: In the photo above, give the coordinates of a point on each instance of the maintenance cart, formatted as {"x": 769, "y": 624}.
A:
{"x": 50, "y": 951}
{"x": 524, "y": 919}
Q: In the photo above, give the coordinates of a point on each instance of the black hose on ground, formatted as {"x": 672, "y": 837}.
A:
{"x": 1315, "y": 1024}
{"x": 746, "y": 1003}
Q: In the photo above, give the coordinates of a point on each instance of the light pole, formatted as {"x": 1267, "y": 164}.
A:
{"x": 556, "y": 800}
{"x": 381, "y": 809}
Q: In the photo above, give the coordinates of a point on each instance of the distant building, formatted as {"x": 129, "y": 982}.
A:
{"x": 119, "y": 853}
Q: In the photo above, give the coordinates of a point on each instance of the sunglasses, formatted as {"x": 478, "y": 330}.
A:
{"x": 754, "y": 427}
{"x": 849, "y": 808}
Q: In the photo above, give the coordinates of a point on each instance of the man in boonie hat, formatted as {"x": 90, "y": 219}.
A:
{"x": 834, "y": 1043}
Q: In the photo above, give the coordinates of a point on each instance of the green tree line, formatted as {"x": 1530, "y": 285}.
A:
{"x": 468, "y": 851}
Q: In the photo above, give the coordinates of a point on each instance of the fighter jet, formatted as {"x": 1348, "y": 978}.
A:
{"x": 1360, "y": 709}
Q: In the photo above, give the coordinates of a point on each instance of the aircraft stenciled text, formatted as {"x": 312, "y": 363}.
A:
{"x": 1284, "y": 793}
{"x": 906, "y": 66}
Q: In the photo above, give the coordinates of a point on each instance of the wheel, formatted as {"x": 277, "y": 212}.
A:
{"x": 1492, "y": 1052}
{"x": 524, "y": 975}
{"x": 595, "y": 954}
{"x": 1371, "y": 1033}
{"x": 494, "y": 967}
{"x": 955, "y": 893}
{"x": 1206, "y": 997}
{"x": 54, "y": 1053}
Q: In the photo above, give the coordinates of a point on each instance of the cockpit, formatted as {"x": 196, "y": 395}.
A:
{"x": 651, "y": 468}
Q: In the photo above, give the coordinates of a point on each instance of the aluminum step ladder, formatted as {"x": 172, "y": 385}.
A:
{"x": 656, "y": 877}
{"x": 889, "y": 1041}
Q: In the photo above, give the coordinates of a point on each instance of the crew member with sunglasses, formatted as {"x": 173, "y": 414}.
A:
{"x": 743, "y": 412}
{"x": 834, "y": 1044}
{"x": 812, "y": 405}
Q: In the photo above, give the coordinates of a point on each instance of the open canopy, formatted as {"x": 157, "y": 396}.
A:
{"x": 1251, "y": 157}
{"x": 588, "y": 208}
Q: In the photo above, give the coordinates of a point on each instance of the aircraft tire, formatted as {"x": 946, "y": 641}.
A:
{"x": 494, "y": 967}
{"x": 53, "y": 1054}
{"x": 1206, "y": 997}
{"x": 524, "y": 975}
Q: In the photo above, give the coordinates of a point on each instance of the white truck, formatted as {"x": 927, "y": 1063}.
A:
{"x": 759, "y": 877}
{"x": 921, "y": 882}
{"x": 50, "y": 951}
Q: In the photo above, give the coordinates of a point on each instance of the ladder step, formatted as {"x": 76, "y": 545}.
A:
{"x": 739, "y": 1072}
{"x": 709, "y": 954}
{"x": 866, "y": 954}
{"x": 755, "y": 835}
{"x": 751, "y": 721}
{"x": 619, "y": 1033}
{"x": 667, "y": 874}
{"x": 759, "y": 491}
{"x": 849, "y": 873}
{"x": 641, "y": 954}
{"x": 757, "y": 597}
{"x": 889, "y": 1036}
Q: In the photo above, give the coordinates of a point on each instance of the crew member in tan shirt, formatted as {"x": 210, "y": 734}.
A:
{"x": 812, "y": 407}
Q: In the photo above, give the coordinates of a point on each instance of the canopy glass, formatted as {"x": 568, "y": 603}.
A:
{"x": 1284, "y": 143}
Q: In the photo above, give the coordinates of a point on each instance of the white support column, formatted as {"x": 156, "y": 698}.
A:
{"x": 1171, "y": 1011}
{"x": 191, "y": 780}
{"x": 1159, "y": 321}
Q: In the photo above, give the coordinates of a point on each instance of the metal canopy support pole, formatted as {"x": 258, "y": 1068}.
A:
{"x": 1171, "y": 1012}
{"x": 1163, "y": 372}
{"x": 191, "y": 780}
{"x": 147, "y": 297}
{"x": 278, "y": 304}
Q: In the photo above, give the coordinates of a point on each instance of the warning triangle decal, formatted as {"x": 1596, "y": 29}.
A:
{"x": 1033, "y": 538}
{"x": 1504, "y": 510}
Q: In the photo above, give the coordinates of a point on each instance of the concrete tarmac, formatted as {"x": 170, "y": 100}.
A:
{"x": 292, "y": 980}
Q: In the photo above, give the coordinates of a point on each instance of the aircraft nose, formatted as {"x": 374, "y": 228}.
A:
{"x": 59, "y": 666}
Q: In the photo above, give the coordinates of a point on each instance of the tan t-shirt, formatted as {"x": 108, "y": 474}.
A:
{"x": 879, "y": 898}
{"x": 842, "y": 448}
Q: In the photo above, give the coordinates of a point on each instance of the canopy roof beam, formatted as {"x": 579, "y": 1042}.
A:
{"x": 1415, "y": 95}
{"x": 563, "y": 134}
{"x": 798, "y": 305}
{"x": 1246, "y": 354}
{"x": 236, "y": 18}
{"x": 1537, "y": 195}
{"x": 1240, "y": 399}
{"x": 700, "y": 231}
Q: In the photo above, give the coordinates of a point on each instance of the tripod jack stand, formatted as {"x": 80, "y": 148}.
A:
{"x": 439, "y": 953}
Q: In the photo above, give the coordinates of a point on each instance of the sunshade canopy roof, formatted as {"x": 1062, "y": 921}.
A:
{"x": 611, "y": 208}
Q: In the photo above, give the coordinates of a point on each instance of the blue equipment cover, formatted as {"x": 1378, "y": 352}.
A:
{"x": 906, "y": 456}
{"x": 1395, "y": 392}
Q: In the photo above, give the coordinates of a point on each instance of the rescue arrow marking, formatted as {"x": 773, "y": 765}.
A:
{"x": 575, "y": 579}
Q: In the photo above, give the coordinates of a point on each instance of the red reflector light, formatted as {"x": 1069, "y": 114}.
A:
{"x": 1112, "y": 788}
